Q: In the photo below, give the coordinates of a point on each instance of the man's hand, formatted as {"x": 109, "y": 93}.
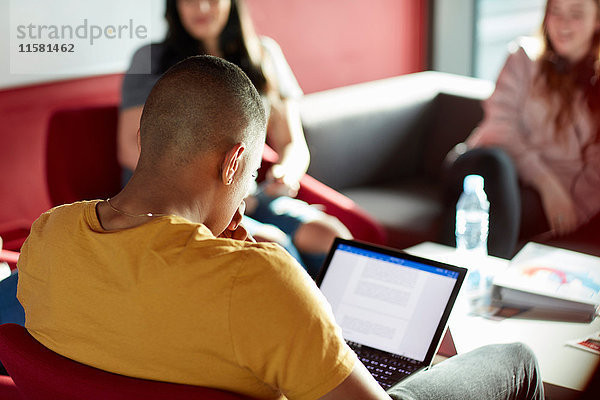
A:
{"x": 235, "y": 230}
{"x": 280, "y": 183}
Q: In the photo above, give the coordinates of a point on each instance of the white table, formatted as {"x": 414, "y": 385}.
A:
{"x": 560, "y": 365}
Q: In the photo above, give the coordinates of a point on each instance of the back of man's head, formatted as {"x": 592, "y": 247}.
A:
{"x": 201, "y": 104}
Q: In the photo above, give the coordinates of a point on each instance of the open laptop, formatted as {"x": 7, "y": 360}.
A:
{"x": 393, "y": 307}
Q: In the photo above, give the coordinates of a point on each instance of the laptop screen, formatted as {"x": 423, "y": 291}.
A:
{"x": 389, "y": 300}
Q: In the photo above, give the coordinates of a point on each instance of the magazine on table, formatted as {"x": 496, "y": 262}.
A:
{"x": 552, "y": 279}
{"x": 590, "y": 343}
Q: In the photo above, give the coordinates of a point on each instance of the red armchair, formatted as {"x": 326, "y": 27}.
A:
{"x": 40, "y": 374}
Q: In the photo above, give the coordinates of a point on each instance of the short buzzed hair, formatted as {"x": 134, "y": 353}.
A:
{"x": 201, "y": 104}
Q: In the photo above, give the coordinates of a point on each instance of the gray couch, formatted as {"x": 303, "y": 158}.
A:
{"x": 382, "y": 144}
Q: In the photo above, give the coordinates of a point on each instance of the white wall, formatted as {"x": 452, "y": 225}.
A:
{"x": 89, "y": 57}
{"x": 453, "y": 36}
{"x": 498, "y": 24}
{"x": 471, "y": 37}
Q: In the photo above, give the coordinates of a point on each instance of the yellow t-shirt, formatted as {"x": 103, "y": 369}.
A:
{"x": 168, "y": 301}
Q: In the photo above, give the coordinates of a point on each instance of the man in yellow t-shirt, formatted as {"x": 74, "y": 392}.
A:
{"x": 161, "y": 282}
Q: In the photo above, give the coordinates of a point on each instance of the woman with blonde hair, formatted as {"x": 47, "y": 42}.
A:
{"x": 538, "y": 147}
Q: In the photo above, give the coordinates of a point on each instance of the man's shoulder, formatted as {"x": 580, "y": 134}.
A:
{"x": 57, "y": 225}
{"x": 264, "y": 254}
{"x": 191, "y": 242}
{"x": 64, "y": 213}
{"x": 268, "y": 259}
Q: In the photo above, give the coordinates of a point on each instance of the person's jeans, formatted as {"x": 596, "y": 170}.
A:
{"x": 11, "y": 311}
{"x": 502, "y": 371}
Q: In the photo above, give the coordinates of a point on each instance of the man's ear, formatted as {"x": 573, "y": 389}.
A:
{"x": 231, "y": 163}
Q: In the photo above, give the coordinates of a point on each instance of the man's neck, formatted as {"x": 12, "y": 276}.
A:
{"x": 143, "y": 200}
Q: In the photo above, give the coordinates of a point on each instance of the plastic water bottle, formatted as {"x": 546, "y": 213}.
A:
{"x": 472, "y": 223}
{"x": 472, "y": 217}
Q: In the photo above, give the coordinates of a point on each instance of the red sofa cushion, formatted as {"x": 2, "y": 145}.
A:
{"x": 81, "y": 155}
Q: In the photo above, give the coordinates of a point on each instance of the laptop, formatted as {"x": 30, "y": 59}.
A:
{"x": 393, "y": 307}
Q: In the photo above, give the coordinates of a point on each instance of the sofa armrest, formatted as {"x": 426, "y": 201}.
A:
{"x": 361, "y": 225}
{"x": 456, "y": 110}
{"x": 14, "y": 233}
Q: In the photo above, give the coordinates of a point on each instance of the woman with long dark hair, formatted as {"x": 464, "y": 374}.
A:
{"x": 538, "y": 146}
{"x": 223, "y": 28}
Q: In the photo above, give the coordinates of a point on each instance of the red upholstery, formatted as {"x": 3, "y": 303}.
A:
{"x": 81, "y": 155}
{"x": 14, "y": 232}
{"x": 362, "y": 226}
{"x": 41, "y": 374}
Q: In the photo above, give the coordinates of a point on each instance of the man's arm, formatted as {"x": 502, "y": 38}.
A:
{"x": 359, "y": 385}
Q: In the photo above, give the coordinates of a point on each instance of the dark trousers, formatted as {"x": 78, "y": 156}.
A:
{"x": 516, "y": 210}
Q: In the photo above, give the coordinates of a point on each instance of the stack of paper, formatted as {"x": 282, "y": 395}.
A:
{"x": 550, "y": 279}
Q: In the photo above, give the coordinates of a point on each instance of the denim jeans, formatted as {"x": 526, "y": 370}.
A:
{"x": 502, "y": 371}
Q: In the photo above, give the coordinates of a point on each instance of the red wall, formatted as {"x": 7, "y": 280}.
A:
{"x": 328, "y": 43}
{"x": 333, "y": 43}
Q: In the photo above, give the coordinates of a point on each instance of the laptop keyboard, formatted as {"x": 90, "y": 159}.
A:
{"x": 386, "y": 369}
